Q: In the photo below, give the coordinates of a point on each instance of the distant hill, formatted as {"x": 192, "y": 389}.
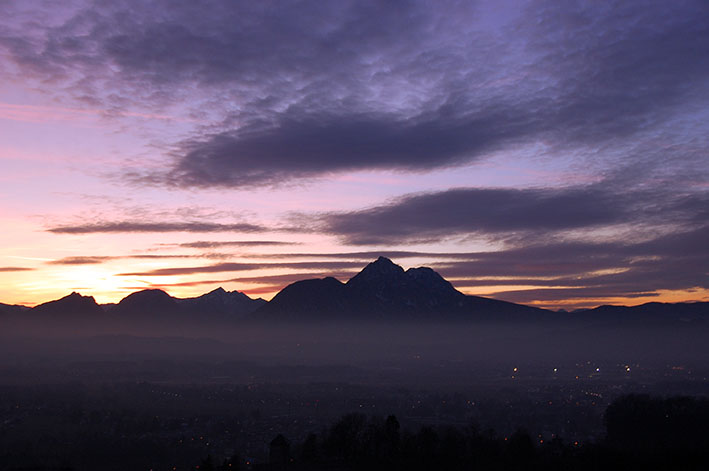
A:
{"x": 155, "y": 304}
{"x": 145, "y": 303}
{"x": 382, "y": 291}
{"x": 697, "y": 312}
{"x": 71, "y": 306}
{"x": 232, "y": 304}
{"x": 12, "y": 309}
{"x": 385, "y": 291}
{"x": 144, "y": 312}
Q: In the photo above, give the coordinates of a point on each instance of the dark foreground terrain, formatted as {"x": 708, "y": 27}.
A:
{"x": 75, "y": 433}
{"x": 141, "y": 403}
{"x": 392, "y": 370}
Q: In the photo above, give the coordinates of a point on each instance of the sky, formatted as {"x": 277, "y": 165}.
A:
{"x": 541, "y": 152}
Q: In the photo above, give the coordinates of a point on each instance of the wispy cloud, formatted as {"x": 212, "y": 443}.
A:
{"x": 43, "y": 114}
{"x": 139, "y": 226}
{"x": 558, "y": 270}
{"x": 98, "y": 259}
{"x": 213, "y": 244}
{"x": 236, "y": 267}
{"x": 14, "y": 269}
{"x": 365, "y": 256}
{"x": 81, "y": 260}
{"x": 272, "y": 282}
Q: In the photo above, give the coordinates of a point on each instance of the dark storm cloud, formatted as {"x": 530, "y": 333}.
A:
{"x": 312, "y": 88}
{"x": 306, "y": 146}
{"x": 601, "y": 74}
{"x": 139, "y": 226}
{"x": 474, "y": 210}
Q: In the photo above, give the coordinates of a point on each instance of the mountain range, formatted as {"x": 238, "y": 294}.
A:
{"x": 382, "y": 291}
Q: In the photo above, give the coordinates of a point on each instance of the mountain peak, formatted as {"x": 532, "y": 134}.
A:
{"x": 384, "y": 260}
{"x": 221, "y": 303}
{"x": 384, "y": 264}
{"x": 424, "y": 274}
{"x": 151, "y": 297}
{"x": 152, "y": 292}
{"x": 378, "y": 271}
{"x": 77, "y": 297}
{"x": 73, "y": 303}
{"x": 382, "y": 289}
{"x": 74, "y": 295}
{"x": 220, "y": 295}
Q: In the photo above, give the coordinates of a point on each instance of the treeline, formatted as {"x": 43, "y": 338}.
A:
{"x": 643, "y": 433}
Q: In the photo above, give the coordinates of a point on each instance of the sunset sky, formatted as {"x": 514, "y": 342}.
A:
{"x": 542, "y": 152}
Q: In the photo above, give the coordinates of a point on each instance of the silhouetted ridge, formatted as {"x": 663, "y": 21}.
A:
{"x": 222, "y": 296}
{"x": 12, "y": 309}
{"x": 380, "y": 271}
{"x": 424, "y": 277}
{"x": 149, "y": 299}
{"x": 222, "y": 303}
{"x": 217, "y": 305}
{"x": 696, "y": 312}
{"x": 383, "y": 290}
{"x": 315, "y": 298}
{"x": 73, "y": 305}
